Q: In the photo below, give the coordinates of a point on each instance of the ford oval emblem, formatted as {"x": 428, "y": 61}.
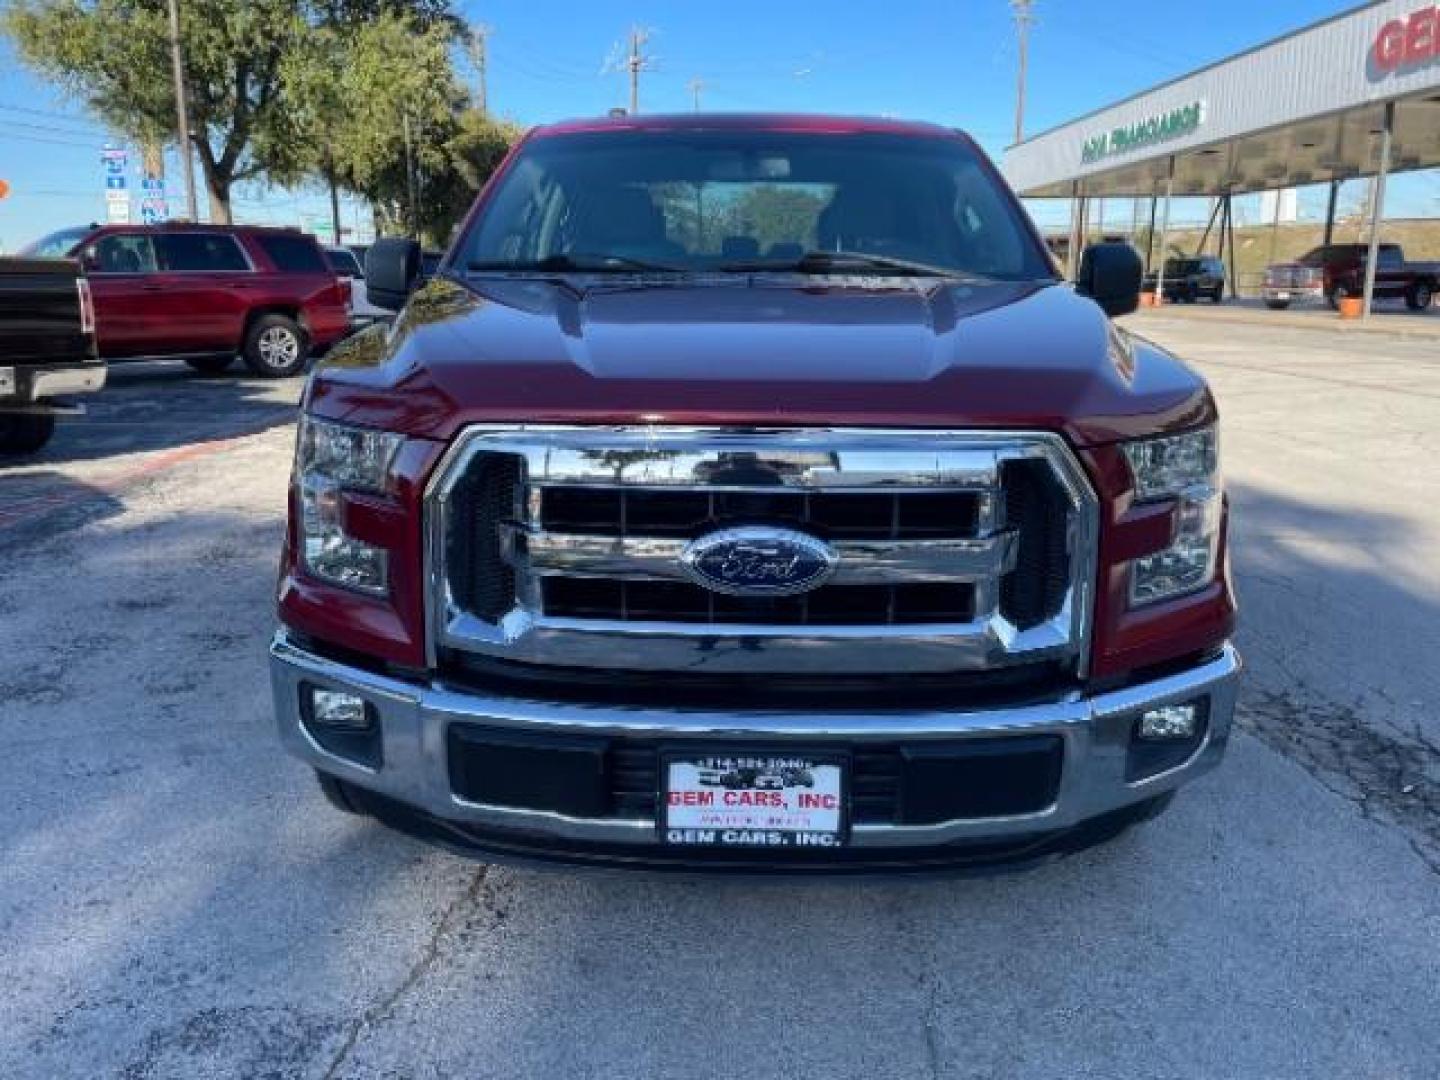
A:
{"x": 755, "y": 560}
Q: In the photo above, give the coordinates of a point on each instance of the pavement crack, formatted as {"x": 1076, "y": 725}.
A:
{"x": 1388, "y": 777}
{"x": 417, "y": 971}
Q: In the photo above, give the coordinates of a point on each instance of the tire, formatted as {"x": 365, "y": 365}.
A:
{"x": 1218, "y": 296}
{"x": 25, "y": 433}
{"x": 1277, "y": 305}
{"x": 276, "y": 347}
{"x": 210, "y": 365}
{"x": 1420, "y": 296}
{"x": 337, "y": 794}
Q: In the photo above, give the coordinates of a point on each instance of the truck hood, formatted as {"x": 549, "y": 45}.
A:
{"x": 746, "y": 351}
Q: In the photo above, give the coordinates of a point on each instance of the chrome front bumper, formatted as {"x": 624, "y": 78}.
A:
{"x": 33, "y": 383}
{"x": 414, "y": 719}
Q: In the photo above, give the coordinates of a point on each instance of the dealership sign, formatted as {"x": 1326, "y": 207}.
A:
{"x": 1408, "y": 42}
{"x": 1143, "y": 133}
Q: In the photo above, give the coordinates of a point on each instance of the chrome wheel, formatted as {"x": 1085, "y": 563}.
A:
{"x": 279, "y": 347}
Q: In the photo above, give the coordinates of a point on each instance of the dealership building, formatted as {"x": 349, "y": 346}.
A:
{"x": 1357, "y": 95}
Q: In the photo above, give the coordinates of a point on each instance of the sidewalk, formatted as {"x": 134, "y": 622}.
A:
{"x": 1390, "y": 318}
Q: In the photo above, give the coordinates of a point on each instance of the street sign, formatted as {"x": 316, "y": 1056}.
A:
{"x": 154, "y": 211}
{"x": 113, "y": 160}
{"x": 154, "y": 184}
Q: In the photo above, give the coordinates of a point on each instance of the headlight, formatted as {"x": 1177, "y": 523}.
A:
{"x": 1184, "y": 468}
{"x": 330, "y": 458}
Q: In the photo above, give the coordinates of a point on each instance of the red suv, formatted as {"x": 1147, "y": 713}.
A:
{"x": 207, "y": 292}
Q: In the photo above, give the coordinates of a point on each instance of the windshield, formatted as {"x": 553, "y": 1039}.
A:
{"x": 56, "y": 244}
{"x": 724, "y": 200}
{"x": 1176, "y": 267}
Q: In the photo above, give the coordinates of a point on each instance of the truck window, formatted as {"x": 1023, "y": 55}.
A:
{"x": 121, "y": 253}
{"x": 699, "y": 200}
{"x": 199, "y": 252}
{"x": 293, "y": 254}
{"x": 57, "y": 244}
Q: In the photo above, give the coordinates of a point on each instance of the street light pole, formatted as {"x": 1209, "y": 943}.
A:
{"x": 182, "y": 112}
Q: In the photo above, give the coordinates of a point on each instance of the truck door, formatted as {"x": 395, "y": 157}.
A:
{"x": 207, "y": 282}
{"x": 128, "y": 303}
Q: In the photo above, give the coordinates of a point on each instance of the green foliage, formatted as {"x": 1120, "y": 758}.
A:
{"x": 280, "y": 90}
{"x": 113, "y": 55}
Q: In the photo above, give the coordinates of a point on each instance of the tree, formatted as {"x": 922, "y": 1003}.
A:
{"x": 113, "y": 55}
{"x": 417, "y": 152}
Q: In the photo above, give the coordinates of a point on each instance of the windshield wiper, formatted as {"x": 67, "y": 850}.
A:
{"x": 573, "y": 262}
{"x": 828, "y": 262}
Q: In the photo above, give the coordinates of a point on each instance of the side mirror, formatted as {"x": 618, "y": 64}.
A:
{"x": 1110, "y": 275}
{"x": 392, "y": 267}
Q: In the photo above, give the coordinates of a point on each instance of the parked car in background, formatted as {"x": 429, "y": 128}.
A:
{"x": 1189, "y": 279}
{"x": 634, "y": 520}
{"x": 204, "y": 293}
{"x": 349, "y": 267}
{"x": 47, "y": 348}
{"x": 1337, "y": 271}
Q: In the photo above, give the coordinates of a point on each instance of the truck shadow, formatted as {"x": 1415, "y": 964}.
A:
{"x": 159, "y": 406}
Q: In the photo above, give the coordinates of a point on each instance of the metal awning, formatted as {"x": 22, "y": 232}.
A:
{"x": 1303, "y": 109}
{"x": 1355, "y": 95}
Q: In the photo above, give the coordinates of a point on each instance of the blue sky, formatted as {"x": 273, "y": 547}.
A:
{"x": 952, "y": 62}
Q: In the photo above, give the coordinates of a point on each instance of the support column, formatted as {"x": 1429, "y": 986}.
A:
{"x": 1227, "y": 248}
{"x": 1165, "y": 229}
{"x": 1150, "y": 233}
{"x": 1209, "y": 224}
{"x": 1330, "y": 212}
{"x": 1377, "y": 211}
{"x": 1072, "y": 258}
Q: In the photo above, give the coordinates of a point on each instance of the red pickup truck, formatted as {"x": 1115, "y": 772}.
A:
{"x": 748, "y": 492}
{"x": 208, "y": 292}
{"x": 1338, "y": 271}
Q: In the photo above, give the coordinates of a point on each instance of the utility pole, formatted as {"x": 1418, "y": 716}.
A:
{"x": 479, "y": 52}
{"x": 182, "y": 112}
{"x": 1023, "y": 18}
{"x": 695, "y": 86}
{"x": 410, "y": 178}
{"x": 637, "y": 62}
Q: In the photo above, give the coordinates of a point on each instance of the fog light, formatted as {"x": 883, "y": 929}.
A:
{"x": 339, "y": 710}
{"x": 1170, "y": 722}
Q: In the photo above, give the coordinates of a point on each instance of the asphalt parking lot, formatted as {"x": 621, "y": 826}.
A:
{"x": 177, "y": 901}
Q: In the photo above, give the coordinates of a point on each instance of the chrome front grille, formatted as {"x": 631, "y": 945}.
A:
{"x": 956, "y": 551}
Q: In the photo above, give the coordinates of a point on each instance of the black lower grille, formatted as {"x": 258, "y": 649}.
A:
{"x": 829, "y": 605}
{"x": 906, "y": 784}
{"x": 1037, "y": 510}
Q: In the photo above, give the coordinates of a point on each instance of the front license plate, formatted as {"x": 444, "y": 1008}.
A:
{"x": 1282, "y": 296}
{"x": 753, "y": 800}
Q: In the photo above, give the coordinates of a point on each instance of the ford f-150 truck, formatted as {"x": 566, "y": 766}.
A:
{"x": 1338, "y": 271}
{"x": 754, "y": 447}
{"x": 204, "y": 293}
{"x": 47, "y": 349}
